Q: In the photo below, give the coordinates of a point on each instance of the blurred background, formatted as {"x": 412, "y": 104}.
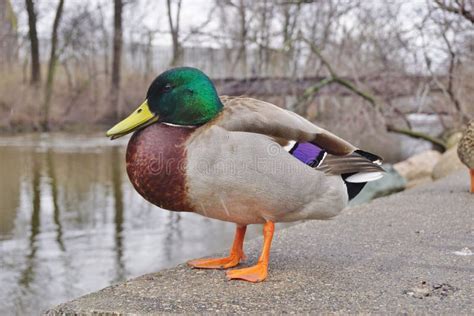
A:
{"x": 393, "y": 77}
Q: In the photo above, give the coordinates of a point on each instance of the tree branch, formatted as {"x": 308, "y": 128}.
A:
{"x": 461, "y": 10}
{"x": 367, "y": 96}
{"x": 311, "y": 91}
{"x": 336, "y": 78}
{"x": 418, "y": 135}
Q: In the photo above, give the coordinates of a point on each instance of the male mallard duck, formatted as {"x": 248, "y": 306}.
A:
{"x": 466, "y": 150}
{"x": 237, "y": 159}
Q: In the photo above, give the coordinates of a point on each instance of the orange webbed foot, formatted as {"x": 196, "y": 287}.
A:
{"x": 217, "y": 263}
{"x": 236, "y": 254}
{"x": 257, "y": 273}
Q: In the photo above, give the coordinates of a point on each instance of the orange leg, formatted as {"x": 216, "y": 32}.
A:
{"x": 236, "y": 254}
{"x": 472, "y": 180}
{"x": 258, "y": 272}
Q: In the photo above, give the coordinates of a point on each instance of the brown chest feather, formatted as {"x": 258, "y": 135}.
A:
{"x": 156, "y": 163}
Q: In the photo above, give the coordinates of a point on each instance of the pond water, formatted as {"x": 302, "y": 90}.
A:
{"x": 71, "y": 223}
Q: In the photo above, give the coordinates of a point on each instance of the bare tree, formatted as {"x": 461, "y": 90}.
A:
{"x": 174, "y": 30}
{"x": 289, "y": 25}
{"x": 464, "y": 8}
{"x": 53, "y": 58}
{"x": 8, "y": 34}
{"x": 33, "y": 35}
{"x": 243, "y": 35}
{"x": 104, "y": 38}
{"x": 454, "y": 31}
{"x": 117, "y": 58}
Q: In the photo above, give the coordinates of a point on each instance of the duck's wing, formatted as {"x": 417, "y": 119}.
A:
{"x": 309, "y": 143}
{"x": 356, "y": 162}
{"x": 255, "y": 116}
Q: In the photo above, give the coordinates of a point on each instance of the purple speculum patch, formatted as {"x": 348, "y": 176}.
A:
{"x": 306, "y": 152}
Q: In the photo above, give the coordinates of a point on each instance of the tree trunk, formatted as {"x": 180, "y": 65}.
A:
{"x": 8, "y": 36}
{"x": 53, "y": 58}
{"x": 105, "y": 47}
{"x": 33, "y": 35}
{"x": 174, "y": 30}
{"x": 242, "y": 50}
{"x": 117, "y": 58}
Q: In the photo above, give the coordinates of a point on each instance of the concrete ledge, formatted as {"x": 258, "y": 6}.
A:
{"x": 399, "y": 254}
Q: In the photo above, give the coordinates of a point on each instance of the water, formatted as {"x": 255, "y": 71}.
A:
{"x": 71, "y": 223}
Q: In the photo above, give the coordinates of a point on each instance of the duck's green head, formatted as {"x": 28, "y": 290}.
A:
{"x": 181, "y": 96}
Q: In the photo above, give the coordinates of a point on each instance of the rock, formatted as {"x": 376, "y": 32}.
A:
{"x": 453, "y": 140}
{"x": 391, "y": 182}
{"x": 424, "y": 289}
{"x": 418, "y": 168}
{"x": 464, "y": 252}
{"x": 421, "y": 291}
{"x": 447, "y": 163}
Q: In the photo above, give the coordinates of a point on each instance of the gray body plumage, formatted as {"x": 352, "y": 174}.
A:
{"x": 254, "y": 180}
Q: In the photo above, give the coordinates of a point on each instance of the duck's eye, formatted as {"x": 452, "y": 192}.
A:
{"x": 167, "y": 87}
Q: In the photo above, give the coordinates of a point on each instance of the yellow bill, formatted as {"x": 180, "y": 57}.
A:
{"x": 139, "y": 118}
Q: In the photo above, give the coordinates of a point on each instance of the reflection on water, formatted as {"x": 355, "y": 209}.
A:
{"x": 70, "y": 223}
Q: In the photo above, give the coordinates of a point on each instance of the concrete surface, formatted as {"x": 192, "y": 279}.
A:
{"x": 447, "y": 163}
{"x": 406, "y": 253}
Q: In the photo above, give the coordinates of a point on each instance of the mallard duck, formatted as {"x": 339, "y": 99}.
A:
{"x": 237, "y": 159}
{"x": 466, "y": 150}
